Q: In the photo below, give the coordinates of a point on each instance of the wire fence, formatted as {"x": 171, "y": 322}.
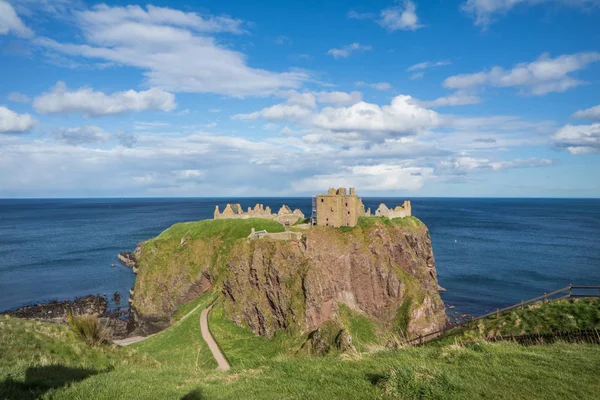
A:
{"x": 568, "y": 292}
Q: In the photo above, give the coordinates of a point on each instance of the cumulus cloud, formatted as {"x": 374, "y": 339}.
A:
{"x": 403, "y": 116}
{"x": 12, "y": 122}
{"x": 578, "y": 139}
{"x": 401, "y": 17}
{"x": 82, "y": 135}
{"x": 10, "y": 23}
{"x": 86, "y": 101}
{"x": 592, "y": 114}
{"x": 339, "y": 98}
{"x": 377, "y": 86}
{"x": 484, "y": 11}
{"x": 545, "y": 75}
{"x": 17, "y": 97}
{"x": 345, "y": 51}
{"x": 427, "y": 65}
{"x": 160, "y": 40}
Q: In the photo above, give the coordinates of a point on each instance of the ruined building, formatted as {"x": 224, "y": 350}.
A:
{"x": 405, "y": 210}
{"x": 340, "y": 208}
{"x": 284, "y": 216}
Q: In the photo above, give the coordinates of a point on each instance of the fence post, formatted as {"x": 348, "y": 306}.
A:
{"x": 420, "y": 339}
{"x": 545, "y": 297}
{"x": 522, "y": 305}
{"x": 497, "y": 313}
{"x": 570, "y": 289}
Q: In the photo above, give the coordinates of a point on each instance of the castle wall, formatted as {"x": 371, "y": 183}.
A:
{"x": 405, "y": 210}
{"x": 285, "y": 216}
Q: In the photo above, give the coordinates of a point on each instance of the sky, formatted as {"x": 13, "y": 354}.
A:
{"x": 466, "y": 98}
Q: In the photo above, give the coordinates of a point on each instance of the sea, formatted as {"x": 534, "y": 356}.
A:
{"x": 490, "y": 253}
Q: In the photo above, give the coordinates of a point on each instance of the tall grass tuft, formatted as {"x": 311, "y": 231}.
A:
{"x": 89, "y": 328}
{"x": 415, "y": 382}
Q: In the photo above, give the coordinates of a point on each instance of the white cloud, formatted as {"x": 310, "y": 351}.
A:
{"x": 339, "y": 98}
{"x": 160, "y": 41}
{"x": 18, "y": 97}
{"x": 545, "y": 75}
{"x": 427, "y": 65}
{"x": 456, "y": 99}
{"x": 465, "y": 164}
{"x": 214, "y": 110}
{"x": 592, "y": 114}
{"x": 12, "y": 122}
{"x": 578, "y": 139}
{"x": 417, "y": 75}
{"x": 278, "y": 112}
{"x": 94, "y": 104}
{"x": 82, "y": 135}
{"x": 345, "y": 51}
{"x": 379, "y": 177}
{"x": 403, "y": 17}
{"x": 402, "y": 116}
{"x": 356, "y": 15}
{"x": 11, "y": 23}
{"x": 304, "y": 99}
{"x": 281, "y": 40}
{"x": 105, "y": 15}
{"x": 377, "y": 86}
{"x": 483, "y": 11}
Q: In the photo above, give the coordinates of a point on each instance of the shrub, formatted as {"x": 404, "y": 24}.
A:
{"x": 89, "y": 328}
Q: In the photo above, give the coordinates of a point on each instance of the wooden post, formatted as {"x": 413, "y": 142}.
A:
{"x": 522, "y": 305}
{"x": 497, "y": 313}
{"x": 545, "y": 297}
{"x": 570, "y": 289}
{"x": 421, "y": 339}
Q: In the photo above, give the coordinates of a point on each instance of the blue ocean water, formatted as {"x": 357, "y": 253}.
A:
{"x": 489, "y": 252}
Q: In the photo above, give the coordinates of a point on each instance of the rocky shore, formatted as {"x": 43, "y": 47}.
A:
{"x": 56, "y": 311}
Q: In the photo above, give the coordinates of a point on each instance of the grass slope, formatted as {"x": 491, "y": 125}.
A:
{"x": 261, "y": 371}
{"x": 538, "y": 318}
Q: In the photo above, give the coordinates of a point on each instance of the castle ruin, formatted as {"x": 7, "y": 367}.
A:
{"x": 285, "y": 216}
{"x": 339, "y": 207}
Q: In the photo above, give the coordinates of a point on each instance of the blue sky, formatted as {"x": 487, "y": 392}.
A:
{"x": 213, "y": 98}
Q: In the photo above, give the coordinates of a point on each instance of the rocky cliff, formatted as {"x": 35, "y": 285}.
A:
{"x": 381, "y": 269}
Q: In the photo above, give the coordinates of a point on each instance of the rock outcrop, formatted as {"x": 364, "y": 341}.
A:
{"x": 383, "y": 271}
{"x": 299, "y": 285}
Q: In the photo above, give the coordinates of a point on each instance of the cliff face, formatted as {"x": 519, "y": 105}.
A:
{"x": 384, "y": 271}
{"x": 299, "y": 285}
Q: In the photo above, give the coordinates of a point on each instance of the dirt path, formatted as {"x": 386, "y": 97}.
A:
{"x": 223, "y": 365}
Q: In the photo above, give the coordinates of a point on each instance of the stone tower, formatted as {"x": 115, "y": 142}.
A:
{"x": 338, "y": 208}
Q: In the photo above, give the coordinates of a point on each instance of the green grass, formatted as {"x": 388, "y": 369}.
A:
{"x": 367, "y": 222}
{"x": 539, "y": 318}
{"x": 39, "y": 360}
{"x": 242, "y": 348}
{"x": 226, "y": 229}
{"x": 362, "y": 329}
{"x": 182, "y": 344}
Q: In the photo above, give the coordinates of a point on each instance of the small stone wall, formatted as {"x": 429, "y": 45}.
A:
{"x": 288, "y": 235}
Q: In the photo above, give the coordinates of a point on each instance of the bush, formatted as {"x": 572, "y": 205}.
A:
{"x": 89, "y": 328}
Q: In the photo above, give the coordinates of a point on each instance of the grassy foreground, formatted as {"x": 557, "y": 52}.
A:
{"x": 39, "y": 360}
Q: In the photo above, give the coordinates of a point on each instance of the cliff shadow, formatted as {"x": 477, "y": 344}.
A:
{"x": 39, "y": 380}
